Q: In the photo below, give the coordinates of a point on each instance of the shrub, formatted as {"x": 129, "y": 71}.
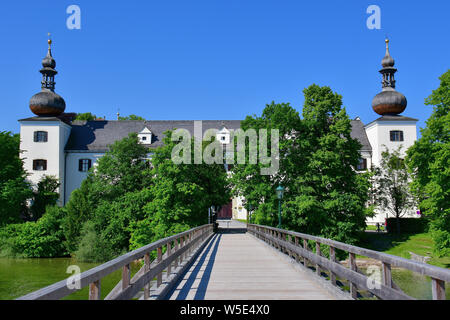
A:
{"x": 41, "y": 239}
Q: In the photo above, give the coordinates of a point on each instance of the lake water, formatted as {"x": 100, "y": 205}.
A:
{"x": 21, "y": 276}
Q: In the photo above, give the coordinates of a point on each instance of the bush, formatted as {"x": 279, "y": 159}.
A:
{"x": 41, "y": 239}
{"x": 407, "y": 225}
{"x": 93, "y": 247}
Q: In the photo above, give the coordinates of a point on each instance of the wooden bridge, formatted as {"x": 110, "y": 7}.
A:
{"x": 247, "y": 262}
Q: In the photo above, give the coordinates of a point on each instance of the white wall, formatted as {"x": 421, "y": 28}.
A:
{"x": 52, "y": 150}
{"x": 378, "y": 133}
{"x": 74, "y": 177}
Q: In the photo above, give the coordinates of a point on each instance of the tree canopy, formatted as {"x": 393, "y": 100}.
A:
{"x": 324, "y": 194}
{"x": 429, "y": 161}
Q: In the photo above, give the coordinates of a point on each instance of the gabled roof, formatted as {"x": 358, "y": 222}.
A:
{"x": 98, "y": 135}
{"x": 359, "y": 133}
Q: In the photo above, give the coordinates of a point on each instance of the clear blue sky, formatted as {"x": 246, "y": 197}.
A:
{"x": 217, "y": 59}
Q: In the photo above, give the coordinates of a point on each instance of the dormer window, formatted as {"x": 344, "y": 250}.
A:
{"x": 145, "y": 136}
{"x": 396, "y": 135}
{"x": 40, "y": 136}
{"x": 223, "y": 136}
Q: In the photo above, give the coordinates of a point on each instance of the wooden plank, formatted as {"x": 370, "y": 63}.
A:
{"x": 94, "y": 290}
{"x": 438, "y": 289}
{"x": 305, "y": 246}
{"x": 262, "y": 274}
{"x": 169, "y": 252}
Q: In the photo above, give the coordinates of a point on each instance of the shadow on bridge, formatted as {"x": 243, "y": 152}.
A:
{"x": 200, "y": 275}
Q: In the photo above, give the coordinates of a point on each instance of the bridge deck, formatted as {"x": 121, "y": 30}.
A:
{"x": 236, "y": 266}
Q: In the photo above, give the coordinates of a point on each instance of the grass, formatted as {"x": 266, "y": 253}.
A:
{"x": 401, "y": 245}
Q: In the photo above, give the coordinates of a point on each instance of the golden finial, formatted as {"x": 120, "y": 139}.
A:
{"x": 49, "y": 41}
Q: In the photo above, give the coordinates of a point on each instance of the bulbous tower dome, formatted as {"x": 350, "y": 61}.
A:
{"x": 389, "y": 101}
{"x": 47, "y": 103}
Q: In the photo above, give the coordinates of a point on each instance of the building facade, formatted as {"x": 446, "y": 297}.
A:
{"x": 52, "y": 143}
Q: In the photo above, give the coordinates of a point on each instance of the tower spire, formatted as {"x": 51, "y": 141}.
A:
{"x": 389, "y": 101}
{"x": 47, "y": 102}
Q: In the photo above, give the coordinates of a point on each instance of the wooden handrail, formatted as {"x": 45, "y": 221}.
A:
{"x": 129, "y": 287}
{"x": 357, "y": 280}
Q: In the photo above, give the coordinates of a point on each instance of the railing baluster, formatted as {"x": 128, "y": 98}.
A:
{"x": 297, "y": 257}
{"x": 94, "y": 290}
{"x": 438, "y": 289}
{"x": 352, "y": 265}
{"x": 176, "y": 249}
{"x": 333, "y": 259}
{"x": 147, "y": 269}
{"x": 387, "y": 274}
{"x": 159, "y": 276}
{"x": 318, "y": 272}
{"x": 125, "y": 276}
{"x": 169, "y": 252}
{"x": 305, "y": 246}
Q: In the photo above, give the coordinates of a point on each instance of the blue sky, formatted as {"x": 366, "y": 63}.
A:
{"x": 216, "y": 59}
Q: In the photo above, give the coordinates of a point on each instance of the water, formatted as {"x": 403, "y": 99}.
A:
{"x": 22, "y": 276}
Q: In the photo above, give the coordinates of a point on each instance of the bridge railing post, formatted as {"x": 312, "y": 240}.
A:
{"x": 147, "y": 269}
{"x": 159, "y": 259}
{"x": 333, "y": 259}
{"x": 438, "y": 289}
{"x": 318, "y": 271}
{"x": 305, "y": 246}
{"x": 95, "y": 290}
{"x": 352, "y": 265}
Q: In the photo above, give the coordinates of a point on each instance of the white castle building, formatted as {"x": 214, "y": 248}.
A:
{"x": 52, "y": 143}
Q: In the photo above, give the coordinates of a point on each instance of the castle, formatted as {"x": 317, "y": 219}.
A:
{"x": 52, "y": 143}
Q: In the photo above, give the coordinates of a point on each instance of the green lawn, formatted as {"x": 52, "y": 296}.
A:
{"x": 401, "y": 245}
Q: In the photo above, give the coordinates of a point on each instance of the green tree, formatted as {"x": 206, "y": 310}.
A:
{"x": 391, "y": 185}
{"x": 132, "y": 117}
{"x": 330, "y": 196}
{"x": 182, "y": 194}
{"x": 121, "y": 170}
{"x": 429, "y": 161}
{"x": 14, "y": 188}
{"x": 247, "y": 180}
{"x": 45, "y": 195}
{"x": 87, "y": 116}
{"x": 324, "y": 195}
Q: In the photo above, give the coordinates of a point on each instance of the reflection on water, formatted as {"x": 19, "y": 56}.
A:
{"x": 21, "y": 276}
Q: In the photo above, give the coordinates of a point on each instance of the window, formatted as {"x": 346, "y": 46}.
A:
{"x": 362, "y": 165}
{"x": 40, "y": 136}
{"x": 40, "y": 165}
{"x": 144, "y": 138}
{"x": 396, "y": 135}
{"x": 84, "y": 165}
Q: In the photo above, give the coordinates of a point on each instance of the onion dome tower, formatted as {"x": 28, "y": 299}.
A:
{"x": 388, "y": 101}
{"x": 47, "y": 103}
